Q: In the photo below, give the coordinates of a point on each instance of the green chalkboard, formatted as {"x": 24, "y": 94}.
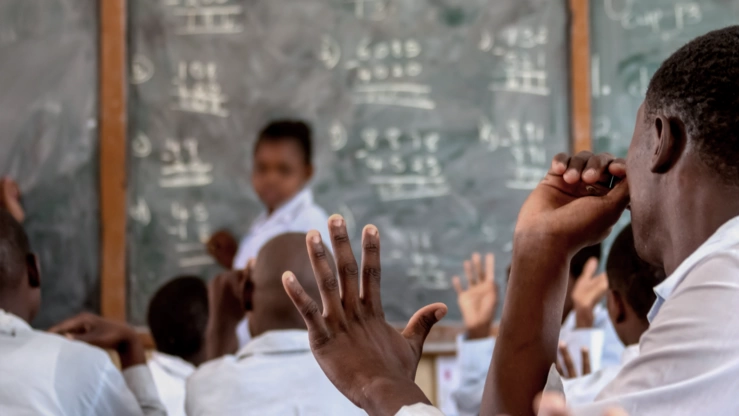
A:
{"x": 629, "y": 41}
{"x": 433, "y": 119}
{"x": 48, "y": 118}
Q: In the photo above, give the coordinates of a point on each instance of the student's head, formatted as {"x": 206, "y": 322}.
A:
{"x": 631, "y": 281}
{"x": 577, "y": 265}
{"x": 20, "y": 280}
{"x": 271, "y": 308}
{"x": 178, "y": 317}
{"x": 685, "y": 146}
{"x": 282, "y": 162}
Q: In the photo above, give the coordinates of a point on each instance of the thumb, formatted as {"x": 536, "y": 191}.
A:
{"x": 618, "y": 199}
{"x": 421, "y": 323}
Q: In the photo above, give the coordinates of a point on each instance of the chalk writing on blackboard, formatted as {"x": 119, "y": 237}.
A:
{"x": 141, "y": 145}
{"x": 140, "y": 212}
{"x": 524, "y": 66}
{"x": 370, "y": 9}
{"x": 525, "y": 142}
{"x": 202, "y": 17}
{"x": 196, "y": 89}
{"x": 190, "y": 245}
{"x": 337, "y": 136}
{"x": 182, "y": 166}
{"x": 668, "y": 22}
{"x": 142, "y": 69}
{"x": 425, "y": 266}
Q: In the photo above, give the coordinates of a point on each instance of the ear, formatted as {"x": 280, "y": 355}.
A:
{"x": 34, "y": 271}
{"x": 619, "y": 307}
{"x": 670, "y": 140}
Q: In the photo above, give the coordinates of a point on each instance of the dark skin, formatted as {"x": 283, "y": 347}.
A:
{"x": 367, "y": 359}
{"x": 280, "y": 172}
{"x": 628, "y": 324}
{"x": 676, "y": 205}
{"x": 227, "y": 306}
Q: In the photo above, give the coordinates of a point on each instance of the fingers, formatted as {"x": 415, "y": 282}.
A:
{"x": 490, "y": 267}
{"x": 559, "y": 164}
{"x": 477, "y": 267}
{"x": 305, "y": 305}
{"x": 576, "y": 166}
{"x": 589, "y": 269}
{"x": 457, "y": 285}
{"x": 567, "y": 360}
{"x": 551, "y": 404}
{"x": 420, "y": 325}
{"x": 371, "y": 271}
{"x": 346, "y": 265}
{"x": 76, "y": 325}
{"x": 469, "y": 273}
{"x": 327, "y": 283}
{"x": 585, "y": 354}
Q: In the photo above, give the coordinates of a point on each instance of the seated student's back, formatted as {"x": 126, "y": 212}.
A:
{"x": 177, "y": 318}
{"x": 276, "y": 373}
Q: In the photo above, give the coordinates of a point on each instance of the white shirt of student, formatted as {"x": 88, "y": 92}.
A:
{"x": 688, "y": 361}
{"x": 45, "y": 374}
{"x": 299, "y": 215}
{"x": 274, "y": 374}
{"x": 576, "y": 338}
{"x": 583, "y": 390}
{"x": 170, "y": 373}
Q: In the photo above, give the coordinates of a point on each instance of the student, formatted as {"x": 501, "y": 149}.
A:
{"x": 478, "y": 305}
{"x": 275, "y": 374}
{"x": 47, "y": 374}
{"x": 177, "y": 318}
{"x": 630, "y": 296}
{"x": 282, "y": 169}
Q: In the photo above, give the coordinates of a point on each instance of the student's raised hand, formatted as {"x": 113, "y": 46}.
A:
{"x": 569, "y": 365}
{"x": 105, "y": 333}
{"x": 588, "y": 291}
{"x": 10, "y": 199}
{"x": 228, "y": 302}
{"x": 368, "y": 360}
{"x": 570, "y": 207}
{"x": 222, "y": 246}
{"x": 479, "y": 301}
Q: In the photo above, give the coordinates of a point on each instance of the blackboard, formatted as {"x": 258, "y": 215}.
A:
{"x": 433, "y": 119}
{"x": 629, "y": 41}
{"x": 48, "y": 116}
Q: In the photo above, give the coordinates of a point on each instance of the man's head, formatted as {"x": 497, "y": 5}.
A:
{"x": 282, "y": 162}
{"x": 178, "y": 317}
{"x": 577, "y": 265}
{"x": 20, "y": 280}
{"x": 631, "y": 281}
{"x": 686, "y": 137}
{"x": 271, "y": 308}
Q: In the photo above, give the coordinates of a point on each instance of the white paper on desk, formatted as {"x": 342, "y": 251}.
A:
{"x": 447, "y": 381}
{"x": 592, "y": 339}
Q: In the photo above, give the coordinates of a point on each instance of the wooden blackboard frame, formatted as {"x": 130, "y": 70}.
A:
{"x": 113, "y": 139}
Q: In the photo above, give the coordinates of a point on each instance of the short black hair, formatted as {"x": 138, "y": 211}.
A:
{"x": 577, "y": 264}
{"x": 288, "y": 130}
{"x": 14, "y": 250}
{"x": 178, "y": 316}
{"x": 700, "y": 84}
{"x": 631, "y": 276}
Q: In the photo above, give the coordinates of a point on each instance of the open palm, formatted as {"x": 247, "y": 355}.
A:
{"x": 479, "y": 301}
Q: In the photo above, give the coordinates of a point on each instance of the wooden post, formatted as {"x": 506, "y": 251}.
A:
{"x": 113, "y": 139}
{"x": 580, "y": 76}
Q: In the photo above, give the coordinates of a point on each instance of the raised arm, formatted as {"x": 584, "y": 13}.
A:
{"x": 567, "y": 211}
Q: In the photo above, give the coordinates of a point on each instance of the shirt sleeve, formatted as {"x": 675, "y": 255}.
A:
{"x": 419, "y": 409}
{"x": 689, "y": 358}
{"x": 141, "y": 383}
{"x": 474, "y": 360}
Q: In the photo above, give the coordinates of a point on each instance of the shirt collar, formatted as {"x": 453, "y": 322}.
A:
{"x": 277, "y": 342}
{"x": 630, "y": 352}
{"x": 173, "y": 365}
{"x": 726, "y": 236}
{"x": 288, "y": 211}
{"x": 11, "y": 324}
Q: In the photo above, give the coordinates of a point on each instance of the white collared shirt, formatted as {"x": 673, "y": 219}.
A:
{"x": 170, "y": 373}
{"x": 583, "y": 390}
{"x": 45, "y": 374}
{"x": 275, "y": 374}
{"x": 299, "y": 215}
{"x": 688, "y": 361}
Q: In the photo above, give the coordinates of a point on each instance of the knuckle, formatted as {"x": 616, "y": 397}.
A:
{"x": 319, "y": 253}
{"x": 426, "y": 322}
{"x": 341, "y": 238}
{"x": 330, "y": 283}
{"x": 349, "y": 269}
{"x": 309, "y": 309}
{"x": 318, "y": 341}
{"x": 372, "y": 272}
{"x": 371, "y": 246}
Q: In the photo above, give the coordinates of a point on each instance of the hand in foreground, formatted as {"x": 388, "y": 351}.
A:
{"x": 368, "y": 360}
{"x": 553, "y": 404}
{"x": 227, "y": 305}
{"x": 222, "y": 246}
{"x": 10, "y": 199}
{"x": 479, "y": 301}
{"x": 571, "y": 207}
{"x": 106, "y": 334}
{"x": 569, "y": 365}
{"x": 588, "y": 291}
